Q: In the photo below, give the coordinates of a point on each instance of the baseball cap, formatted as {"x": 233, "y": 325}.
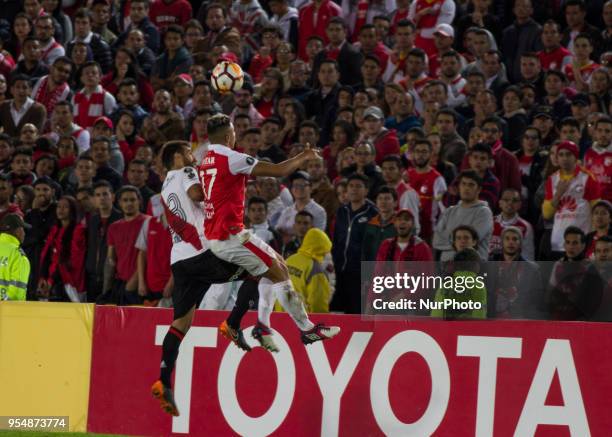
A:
{"x": 229, "y": 57}
{"x": 405, "y": 211}
{"x": 107, "y": 121}
{"x": 544, "y": 111}
{"x": 445, "y": 30}
{"x": 581, "y": 99}
{"x": 568, "y": 145}
{"x": 185, "y": 78}
{"x": 373, "y": 111}
{"x": 13, "y": 221}
{"x": 299, "y": 175}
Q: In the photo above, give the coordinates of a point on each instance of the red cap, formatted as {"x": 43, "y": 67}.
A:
{"x": 229, "y": 57}
{"x": 404, "y": 211}
{"x": 569, "y": 145}
{"x": 185, "y": 78}
{"x": 107, "y": 121}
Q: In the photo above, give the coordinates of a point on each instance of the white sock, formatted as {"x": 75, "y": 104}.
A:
{"x": 292, "y": 303}
{"x": 266, "y": 301}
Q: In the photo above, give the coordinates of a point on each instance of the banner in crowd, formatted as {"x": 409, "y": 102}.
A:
{"x": 45, "y": 360}
{"x": 396, "y": 377}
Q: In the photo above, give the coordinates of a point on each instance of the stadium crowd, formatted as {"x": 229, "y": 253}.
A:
{"x": 449, "y": 129}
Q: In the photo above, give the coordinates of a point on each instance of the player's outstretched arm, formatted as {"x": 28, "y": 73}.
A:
{"x": 284, "y": 168}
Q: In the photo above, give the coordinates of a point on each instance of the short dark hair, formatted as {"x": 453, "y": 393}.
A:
{"x": 466, "y": 228}
{"x": 331, "y": 62}
{"x": 574, "y": 230}
{"x": 67, "y": 103}
{"x": 174, "y": 28}
{"x": 83, "y": 13}
{"x": 569, "y": 121}
{"x": 88, "y": 190}
{"x": 217, "y": 124}
{"x": 337, "y": 20}
{"x": 128, "y": 189}
{"x": 103, "y": 184}
{"x": 372, "y": 58}
{"x": 309, "y": 123}
{"x": 418, "y": 53}
{"x": 578, "y": 3}
{"x": 252, "y": 131}
{"x": 257, "y": 200}
{"x": 604, "y": 239}
{"x": 20, "y": 78}
{"x": 482, "y": 148}
{"x": 138, "y": 162}
{"x": 406, "y": 23}
{"x": 393, "y": 158}
{"x": 470, "y": 174}
{"x": 358, "y": 177}
{"x": 304, "y": 213}
{"x": 22, "y": 150}
{"x": 387, "y": 190}
{"x": 448, "y": 111}
{"x": 494, "y": 119}
{"x": 169, "y": 150}
{"x": 128, "y": 81}
{"x": 424, "y": 141}
{"x": 272, "y": 120}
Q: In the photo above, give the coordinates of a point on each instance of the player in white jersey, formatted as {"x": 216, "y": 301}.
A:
{"x": 194, "y": 267}
{"x": 224, "y": 173}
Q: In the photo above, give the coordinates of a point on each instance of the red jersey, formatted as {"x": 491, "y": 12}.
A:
{"x": 430, "y": 186}
{"x": 163, "y": 14}
{"x": 156, "y": 241}
{"x": 599, "y": 162}
{"x": 585, "y": 71}
{"x": 224, "y": 173}
{"x": 556, "y": 59}
{"x": 314, "y": 22}
{"x": 122, "y": 235}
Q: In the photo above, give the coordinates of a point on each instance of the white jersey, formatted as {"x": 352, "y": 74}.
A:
{"x": 185, "y": 217}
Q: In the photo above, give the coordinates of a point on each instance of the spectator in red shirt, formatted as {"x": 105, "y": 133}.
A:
{"x": 6, "y": 193}
{"x": 154, "y": 245}
{"x": 554, "y": 56}
{"x": 62, "y": 261}
{"x": 385, "y": 140}
{"x": 324, "y": 11}
{"x": 406, "y": 246}
{"x": 120, "y": 271}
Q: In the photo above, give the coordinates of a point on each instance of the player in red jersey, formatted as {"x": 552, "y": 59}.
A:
{"x": 429, "y": 184}
{"x": 224, "y": 173}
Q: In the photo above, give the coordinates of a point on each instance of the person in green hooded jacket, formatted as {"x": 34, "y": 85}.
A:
{"x": 468, "y": 296}
{"x": 307, "y": 272}
{"x": 14, "y": 264}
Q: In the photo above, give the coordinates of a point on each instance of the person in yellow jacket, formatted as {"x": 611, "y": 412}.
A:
{"x": 307, "y": 272}
{"x": 14, "y": 264}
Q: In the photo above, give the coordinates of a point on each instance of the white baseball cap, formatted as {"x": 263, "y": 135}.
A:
{"x": 445, "y": 30}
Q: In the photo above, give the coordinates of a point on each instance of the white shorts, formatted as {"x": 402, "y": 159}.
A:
{"x": 246, "y": 250}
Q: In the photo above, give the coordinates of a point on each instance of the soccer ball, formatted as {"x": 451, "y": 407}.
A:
{"x": 227, "y": 76}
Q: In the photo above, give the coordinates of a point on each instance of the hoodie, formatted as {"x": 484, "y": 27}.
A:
{"x": 478, "y": 216}
{"x": 307, "y": 272}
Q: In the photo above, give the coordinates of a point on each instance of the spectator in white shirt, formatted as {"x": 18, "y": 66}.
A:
{"x": 301, "y": 190}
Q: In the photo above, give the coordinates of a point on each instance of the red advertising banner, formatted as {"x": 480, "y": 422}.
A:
{"x": 403, "y": 378}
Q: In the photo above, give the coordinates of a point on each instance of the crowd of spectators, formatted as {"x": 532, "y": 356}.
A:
{"x": 447, "y": 128}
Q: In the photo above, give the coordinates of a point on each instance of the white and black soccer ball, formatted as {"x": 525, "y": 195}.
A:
{"x": 227, "y": 77}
